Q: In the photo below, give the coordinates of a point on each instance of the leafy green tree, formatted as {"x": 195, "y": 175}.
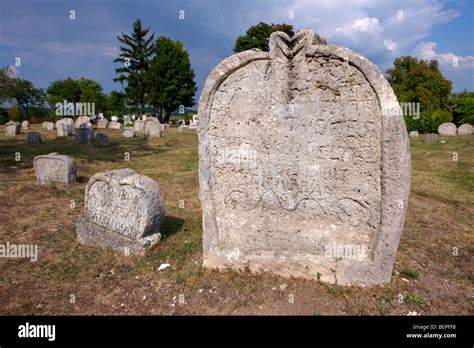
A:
{"x": 25, "y": 95}
{"x": 7, "y": 84}
{"x": 171, "y": 78}
{"x": 60, "y": 90}
{"x": 117, "y": 103}
{"x": 420, "y": 81}
{"x": 257, "y": 36}
{"x": 462, "y": 105}
{"x": 91, "y": 92}
{"x": 135, "y": 52}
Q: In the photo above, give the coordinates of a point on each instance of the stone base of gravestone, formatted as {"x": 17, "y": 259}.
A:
{"x": 465, "y": 129}
{"x": 84, "y": 135}
{"x": 55, "y": 168}
{"x": 102, "y": 139}
{"x": 123, "y": 211}
{"x": 34, "y": 138}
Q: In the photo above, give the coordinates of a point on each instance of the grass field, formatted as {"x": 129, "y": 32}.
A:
{"x": 433, "y": 269}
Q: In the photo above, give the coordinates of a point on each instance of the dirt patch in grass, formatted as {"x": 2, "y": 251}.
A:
{"x": 433, "y": 269}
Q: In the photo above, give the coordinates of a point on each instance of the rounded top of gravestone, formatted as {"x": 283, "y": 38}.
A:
{"x": 447, "y": 128}
{"x": 465, "y": 129}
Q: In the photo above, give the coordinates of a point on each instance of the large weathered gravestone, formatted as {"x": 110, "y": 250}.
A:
{"x": 84, "y": 135}
{"x": 465, "y": 129}
{"x": 12, "y": 128}
{"x": 304, "y": 164}
{"x": 34, "y": 138}
{"x": 55, "y": 168}
{"x": 123, "y": 210}
{"x": 447, "y": 128}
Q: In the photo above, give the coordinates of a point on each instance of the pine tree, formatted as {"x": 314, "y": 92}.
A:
{"x": 135, "y": 52}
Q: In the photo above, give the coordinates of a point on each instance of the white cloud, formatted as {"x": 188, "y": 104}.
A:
{"x": 426, "y": 50}
{"x": 390, "y": 44}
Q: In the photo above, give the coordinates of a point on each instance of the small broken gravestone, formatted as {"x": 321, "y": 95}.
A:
{"x": 25, "y": 124}
{"x": 64, "y": 127}
{"x": 84, "y": 135}
{"x": 304, "y": 163}
{"x": 102, "y": 123}
{"x": 115, "y": 125}
{"x": 82, "y": 120}
{"x": 55, "y": 168}
{"x": 101, "y": 139}
{"x": 138, "y": 126}
{"x": 34, "y": 138}
{"x": 414, "y": 134}
{"x": 128, "y": 132}
{"x": 431, "y": 138}
{"x": 123, "y": 210}
{"x": 12, "y": 128}
{"x": 465, "y": 129}
{"x": 448, "y": 129}
{"x": 49, "y": 126}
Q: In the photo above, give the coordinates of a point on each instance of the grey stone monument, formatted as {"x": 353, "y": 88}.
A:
{"x": 55, "y": 168}
{"x": 84, "y": 135}
{"x": 123, "y": 210}
{"x": 448, "y": 129}
{"x": 34, "y": 138}
{"x": 304, "y": 163}
{"x": 102, "y": 139}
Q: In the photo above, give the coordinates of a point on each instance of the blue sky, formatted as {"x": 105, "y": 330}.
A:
{"x": 53, "y": 46}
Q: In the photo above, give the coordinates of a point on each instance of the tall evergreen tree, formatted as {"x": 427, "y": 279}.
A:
{"x": 135, "y": 52}
{"x": 171, "y": 78}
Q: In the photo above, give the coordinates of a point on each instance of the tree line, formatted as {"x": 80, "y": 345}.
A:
{"x": 157, "y": 73}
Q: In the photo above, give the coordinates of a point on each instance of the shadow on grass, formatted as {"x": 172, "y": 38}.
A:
{"x": 170, "y": 226}
{"x": 114, "y": 152}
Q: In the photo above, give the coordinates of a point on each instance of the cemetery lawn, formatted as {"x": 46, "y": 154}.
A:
{"x": 432, "y": 274}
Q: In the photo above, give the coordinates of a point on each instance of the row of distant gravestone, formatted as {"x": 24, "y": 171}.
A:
{"x": 450, "y": 129}
{"x": 150, "y": 128}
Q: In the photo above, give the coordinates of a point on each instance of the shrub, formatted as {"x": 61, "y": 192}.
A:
{"x": 15, "y": 114}
{"x": 429, "y": 121}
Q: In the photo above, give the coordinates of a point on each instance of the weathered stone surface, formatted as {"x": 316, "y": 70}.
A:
{"x": 465, "y": 129}
{"x": 55, "y": 168}
{"x": 303, "y": 151}
{"x": 12, "y": 128}
{"x": 64, "y": 127}
{"x": 81, "y": 120}
{"x": 84, "y": 135}
{"x": 128, "y": 132}
{"x": 49, "y": 126}
{"x": 123, "y": 211}
{"x": 115, "y": 125}
{"x": 447, "y": 128}
{"x": 414, "y": 134}
{"x": 102, "y": 139}
{"x": 102, "y": 123}
{"x": 34, "y": 137}
{"x": 25, "y": 124}
{"x": 152, "y": 129}
{"x": 44, "y": 124}
{"x": 138, "y": 126}
{"x": 431, "y": 138}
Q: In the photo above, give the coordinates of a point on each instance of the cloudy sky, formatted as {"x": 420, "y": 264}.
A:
{"x": 53, "y": 46}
